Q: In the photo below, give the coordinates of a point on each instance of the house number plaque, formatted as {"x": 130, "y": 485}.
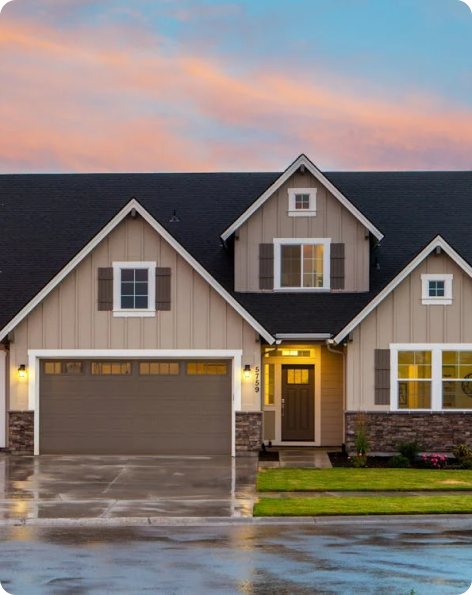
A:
{"x": 257, "y": 379}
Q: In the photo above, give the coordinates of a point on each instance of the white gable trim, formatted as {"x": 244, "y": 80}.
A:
{"x": 311, "y": 167}
{"x": 438, "y": 242}
{"x": 134, "y": 204}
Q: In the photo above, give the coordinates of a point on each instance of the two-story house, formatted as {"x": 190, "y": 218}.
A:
{"x": 205, "y": 313}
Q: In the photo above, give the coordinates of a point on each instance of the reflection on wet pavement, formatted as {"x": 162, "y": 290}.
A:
{"x": 432, "y": 559}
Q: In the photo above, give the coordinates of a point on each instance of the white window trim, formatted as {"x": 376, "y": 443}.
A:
{"x": 427, "y": 300}
{"x": 436, "y": 374}
{"x": 326, "y": 242}
{"x": 293, "y": 211}
{"x": 134, "y": 313}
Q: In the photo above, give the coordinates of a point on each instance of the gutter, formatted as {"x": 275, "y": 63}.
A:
{"x": 303, "y": 336}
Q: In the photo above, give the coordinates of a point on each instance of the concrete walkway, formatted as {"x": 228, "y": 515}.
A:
{"x": 302, "y": 458}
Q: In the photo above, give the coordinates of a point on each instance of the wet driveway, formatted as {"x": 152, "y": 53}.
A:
{"x": 431, "y": 559}
{"x": 110, "y": 487}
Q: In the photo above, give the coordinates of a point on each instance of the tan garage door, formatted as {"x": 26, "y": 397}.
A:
{"x": 135, "y": 407}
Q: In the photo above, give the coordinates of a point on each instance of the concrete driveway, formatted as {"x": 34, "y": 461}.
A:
{"x": 77, "y": 487}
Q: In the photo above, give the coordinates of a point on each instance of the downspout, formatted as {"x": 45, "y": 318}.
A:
{"x": 329, "y": 346}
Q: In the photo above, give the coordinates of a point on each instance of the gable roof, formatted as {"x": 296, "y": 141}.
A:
{"x": 438, "y": 242}
{"x": 302, "y": 160}
{"x": 46, "y": 220}
{"x": 119, "y": 217}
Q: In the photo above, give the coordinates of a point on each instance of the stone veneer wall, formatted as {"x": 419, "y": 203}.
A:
{"x": 435, "y": 431}
{"x": 248, "y": 432}
{"x": 21, "y": 432}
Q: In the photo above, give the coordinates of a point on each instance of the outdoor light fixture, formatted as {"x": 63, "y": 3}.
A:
{"x": 22, "y": 371}
{"x": 247, "y": 371}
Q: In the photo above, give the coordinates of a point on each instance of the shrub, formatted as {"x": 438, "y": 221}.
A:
{"x": 409, "y": 450}
{"x": 434, "y": 461}
{"x": 362, "y": 444}
{"x": 359, "y": 461}
{"x": 463, "y": 455}
{"x": 399, "y": 462}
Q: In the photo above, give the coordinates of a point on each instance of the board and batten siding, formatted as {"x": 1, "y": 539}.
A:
{"x": 272, "y": 221}
{"x": 69, "y": 317}
{"x": 332, "y": 398}
{"x": 402, "y": 318}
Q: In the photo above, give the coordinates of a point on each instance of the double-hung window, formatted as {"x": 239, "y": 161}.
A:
{"x": 134, "y": 288}
{"x": 302, "y": 264}
{"x": 432, "y": 377}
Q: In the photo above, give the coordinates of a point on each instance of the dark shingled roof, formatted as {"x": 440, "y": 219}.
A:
{"x": 46, "y": 219}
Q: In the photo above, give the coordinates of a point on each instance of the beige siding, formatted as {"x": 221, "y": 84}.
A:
{"x": 269, "y": 425}
{"x": 332, "y": 398}
{"x": 272, "y": 221}
{"x": 68, "y": 318}
{"x": 402, "y": 318}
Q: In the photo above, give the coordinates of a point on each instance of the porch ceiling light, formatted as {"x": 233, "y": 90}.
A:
{"x": 22, "y": 371}
{"x": 247, "y": 371}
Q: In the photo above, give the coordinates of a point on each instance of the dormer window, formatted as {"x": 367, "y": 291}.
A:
{"x": 302, "y": 202}
{"x": 302, "y": 264}
{"x": 436, "y": 290}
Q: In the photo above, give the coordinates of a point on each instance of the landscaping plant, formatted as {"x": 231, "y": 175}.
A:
{"x": 362, "y": 443}
{"x": 399, "y": 462}
{"x": 409, "y": 450}
{"x": 434, "y": 461}
{"x": 463, "y": 455}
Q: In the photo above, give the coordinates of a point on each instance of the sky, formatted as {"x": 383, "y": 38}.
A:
{"x": 243, "y": 85}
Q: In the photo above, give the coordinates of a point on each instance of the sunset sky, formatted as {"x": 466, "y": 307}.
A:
{"x": 245, "y": 85}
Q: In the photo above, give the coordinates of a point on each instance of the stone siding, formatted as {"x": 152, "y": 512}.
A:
{"x": 21, "y": 432}
{"x": 435, "y": 431}
{"x": 248, "y": 432}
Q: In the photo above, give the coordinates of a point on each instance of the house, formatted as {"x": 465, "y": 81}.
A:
{"x": 205, "y": 313}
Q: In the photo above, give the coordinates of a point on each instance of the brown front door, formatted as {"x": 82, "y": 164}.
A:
{"x": 298, "y": 403}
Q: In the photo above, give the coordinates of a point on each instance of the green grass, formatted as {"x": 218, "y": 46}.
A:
{"x": 325, "y": 506}
{"x": 362, "y": 480}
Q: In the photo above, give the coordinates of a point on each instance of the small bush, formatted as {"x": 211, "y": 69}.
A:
{"x": 466, "y": 464}
{"x": 434, "y": 461}
{"x": 362, "y": 444}
{"x": 463, "y": 455}
{"x": 409, "y": 450}
{"x": 359, "y": 461}
{"x": 399, "y": 462}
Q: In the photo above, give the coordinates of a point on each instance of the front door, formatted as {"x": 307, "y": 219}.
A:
{"x": 298, "y": 403}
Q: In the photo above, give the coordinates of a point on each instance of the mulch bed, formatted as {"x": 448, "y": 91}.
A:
{"x": 340, "y": 459}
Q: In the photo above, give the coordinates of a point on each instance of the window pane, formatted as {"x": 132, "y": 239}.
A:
{"x": 414, "y": 364}
{"x": 313, "y": 265}
{"x": 211, "y": 369}
{"x": 414, "y": 394}
{"x": 141, "y": 289}
{"x": 127, "y": 274}
{"x": 269, "y": 384}
{"x": 111, "y": 368}
{"x": 127, "y": 302}
{"x": 457, "y": 364}
{"x": 291, "y": 266}
{"x": 457, "y": 394}
{"x": 73, "y": 367}
{"x": 159, "y": 368}
{"x": 302, "y": 201}
{"x": 141, "y": 302}
{"x": 141, "y": 275}
{"x": 297, "y": 376}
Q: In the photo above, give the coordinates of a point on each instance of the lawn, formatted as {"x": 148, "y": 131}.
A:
{"x": 362, "y": 480}
{"x": 325, "y": 506}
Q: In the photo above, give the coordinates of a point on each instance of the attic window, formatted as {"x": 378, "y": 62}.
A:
{"x": 436, "y": 290}
{"x": 302, "y": 202}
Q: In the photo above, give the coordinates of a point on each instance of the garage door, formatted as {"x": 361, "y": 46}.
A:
{"x": 135, "y": 407}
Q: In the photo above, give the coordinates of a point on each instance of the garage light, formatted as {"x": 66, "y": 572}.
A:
{"x": 22, "y": 371}
{"x": 247, "y": 371}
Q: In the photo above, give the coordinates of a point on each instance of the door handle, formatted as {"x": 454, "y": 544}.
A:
{"x": 283, "y": 407}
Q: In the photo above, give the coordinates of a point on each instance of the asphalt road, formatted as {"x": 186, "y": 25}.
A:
{"x": 382, "y": 559}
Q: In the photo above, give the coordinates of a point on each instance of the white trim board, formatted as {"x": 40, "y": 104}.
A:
{"x": 3, "y": 398}
{"x": 35, "y": 356}
{"x": 134, "y": 204}
{"x": 438, "y": 242}
{"x": 311, "y": 167}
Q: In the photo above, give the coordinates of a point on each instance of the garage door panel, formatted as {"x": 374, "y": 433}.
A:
{"x": 133, "y": 414}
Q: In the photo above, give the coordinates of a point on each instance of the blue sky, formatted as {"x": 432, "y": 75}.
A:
{"x": 242, "y": 85}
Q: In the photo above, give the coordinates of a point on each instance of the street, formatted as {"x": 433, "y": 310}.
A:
{"x": 371, "y": 558}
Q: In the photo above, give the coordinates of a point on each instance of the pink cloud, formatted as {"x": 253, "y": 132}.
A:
{"x": 116, "y": 101}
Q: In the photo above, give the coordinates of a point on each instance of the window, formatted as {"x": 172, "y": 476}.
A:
{"x": 432, "y": 377}
{"x": 63, "y": 368}
{"x": 111, "y": 368}
{"x": 436, "y": 290}
{"x": 269, "y": 384}
{"x": 134, "y": 288}
{"x": 159, "y": 368}
{"x": 275, "y": 352}
{"x": 297, "y": 376}
{"x": 302, "y": 264}
{"x": 206, "y": 369}
{"x": 302, "y": 202}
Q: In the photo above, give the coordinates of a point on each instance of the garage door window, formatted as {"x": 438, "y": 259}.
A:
{"x": 111, "y": 368}
{"x": 159, "y": 368}
{"x": 61, "y": 367}
{"x": 206, "y": 369}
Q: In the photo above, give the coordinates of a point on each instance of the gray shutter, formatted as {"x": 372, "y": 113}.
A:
{"x": 163, "y": 279}
{"x": 337, "y": 266}
{"x": 382, "y": 376}
{"x": 105, "y": 289}
{"x": 266, "y": 266}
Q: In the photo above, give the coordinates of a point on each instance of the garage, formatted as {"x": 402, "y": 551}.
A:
{"x": 132, "y": 407}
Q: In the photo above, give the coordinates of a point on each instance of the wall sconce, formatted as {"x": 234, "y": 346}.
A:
{"x": 22, "y": 371}
{"x": 247, "y": 371}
